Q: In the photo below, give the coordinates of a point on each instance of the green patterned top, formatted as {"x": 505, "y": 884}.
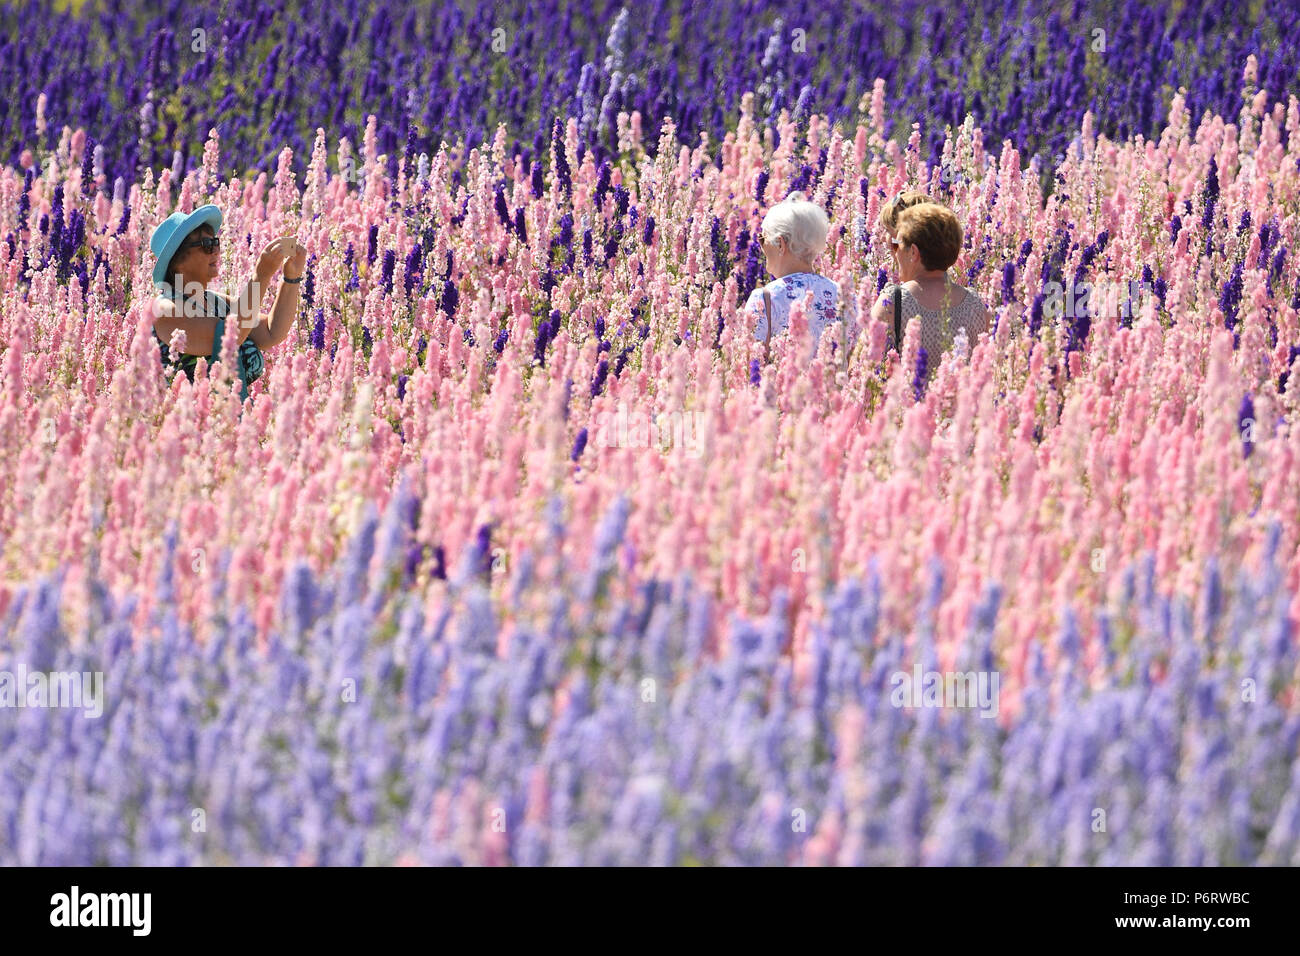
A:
{"x": 250, "y": 364}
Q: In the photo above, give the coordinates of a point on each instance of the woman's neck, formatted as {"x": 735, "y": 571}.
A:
{"x": 183, "y": 284}
{"x": 792, "y": 268}
{"x": 934, "y": 277}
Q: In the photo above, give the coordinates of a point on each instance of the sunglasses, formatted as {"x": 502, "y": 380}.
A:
{"x": 206, "y": 243}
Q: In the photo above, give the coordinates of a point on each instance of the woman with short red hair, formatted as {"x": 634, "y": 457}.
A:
{"x": 927, "y": 242}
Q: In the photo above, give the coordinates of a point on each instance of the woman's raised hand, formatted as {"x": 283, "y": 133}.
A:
{"x": 274, "y": 255}
{"x": 297, "y": 263}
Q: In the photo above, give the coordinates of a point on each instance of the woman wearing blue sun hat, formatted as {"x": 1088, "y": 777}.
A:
{"x": 187, "y": 249}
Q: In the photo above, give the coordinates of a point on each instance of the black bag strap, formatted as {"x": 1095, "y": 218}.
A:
{"x": 898, "y": 318}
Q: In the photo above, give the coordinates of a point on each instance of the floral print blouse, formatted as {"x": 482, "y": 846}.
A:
{"x": 784, "y": 292}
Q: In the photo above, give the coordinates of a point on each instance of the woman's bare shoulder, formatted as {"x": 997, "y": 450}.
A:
{"x": 161, "y": 307}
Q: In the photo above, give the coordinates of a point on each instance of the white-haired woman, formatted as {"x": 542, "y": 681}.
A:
{"x": 793, "y": 234}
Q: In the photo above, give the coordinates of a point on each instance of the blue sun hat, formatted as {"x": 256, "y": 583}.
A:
{"x": 171, "y": 232}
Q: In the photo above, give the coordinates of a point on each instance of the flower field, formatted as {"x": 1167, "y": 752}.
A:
{"x": 520, "y": 554}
